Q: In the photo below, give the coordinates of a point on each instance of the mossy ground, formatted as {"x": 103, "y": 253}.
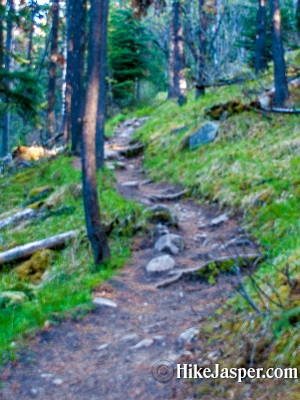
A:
{"x": 253, "y": 167}
{"x": 71, "y": 274}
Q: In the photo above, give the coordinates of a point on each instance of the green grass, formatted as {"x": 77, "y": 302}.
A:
{"x": 72, "y": 275}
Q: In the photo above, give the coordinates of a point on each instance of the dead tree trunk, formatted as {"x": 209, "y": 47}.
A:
{"x": 95, "y": 228}
{"x": 281, "y": 87}
{"x": 52, "y": 69}
{"x": 102, "y": 91}
{"x": 8, "y": 67}
{"x": 77, "y": 103}
{"x": 70, "y": 54}
{"x": 298, "y": 17}
{"x": 202, "y": 50}
{"x": 261, "y": 37}
{"x": 177, "y": 81}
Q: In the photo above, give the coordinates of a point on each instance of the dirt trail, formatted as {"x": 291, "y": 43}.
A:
{"x": 98, "y": 358}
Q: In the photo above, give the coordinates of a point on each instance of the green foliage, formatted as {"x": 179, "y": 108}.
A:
{"x": 128, "y": 53}
{"x": 22, "y": 93}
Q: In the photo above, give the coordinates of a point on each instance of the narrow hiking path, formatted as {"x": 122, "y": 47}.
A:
{"x": 110, "y": 354}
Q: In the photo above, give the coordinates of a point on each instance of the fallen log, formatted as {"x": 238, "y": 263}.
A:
{"x": 26, "y": 250}
{"x": 178, "y": 274}
{"x": 28, "y": 213}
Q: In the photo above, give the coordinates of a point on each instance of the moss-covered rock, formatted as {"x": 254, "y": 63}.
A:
{"x": 73, "y": 190}
{"x": 34, "y": 268}
{"x": 161, "y": 214}
{"x": 40, "y": 190}
{"x": 11, "y": 299}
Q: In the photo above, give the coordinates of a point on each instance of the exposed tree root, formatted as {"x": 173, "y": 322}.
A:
{"x": 181, "y": 272}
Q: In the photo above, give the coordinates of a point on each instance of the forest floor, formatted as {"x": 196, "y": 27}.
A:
{"x": 113, "y": 353}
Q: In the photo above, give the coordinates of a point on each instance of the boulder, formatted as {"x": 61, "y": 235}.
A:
{"x": 206, "y": 134}
{"x": 170, "y": 243}
{"x": 161, "y": 264}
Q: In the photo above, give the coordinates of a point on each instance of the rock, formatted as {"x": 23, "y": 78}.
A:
{"x": 72, "y": 190}
{"x": 188, "y": 335}
{"x": 11, "y": 299}
{"x": 103, "y": 346}
{"x": 170, "y": 243}
{"x": 120, "y": 165}
{"x": 58, "y": 382}
{"x": 200, "y": 237}
{"x": 132, "y": 151}
{"x": 34, "y": 268}
{"x": 161, "y": 264}
{"x": 46, "y": 376}
{"x": 100, "y": 301}
{"x": 206, "y": 134}
{"x": 144, "y": 343}
{"x": 111, "y": 154}
{"x": 133, "y": 184}
{"x": 214, "y": 355}
{"x": 161, "y": 230}
{"x": 130, "y": 336}
{"x": 219, "y": 220}
{"x": 161, "y": 214}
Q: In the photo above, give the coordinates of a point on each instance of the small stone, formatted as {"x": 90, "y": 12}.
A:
{"x": 188, "y": 335}
{"x": 103, "y": 346}
{"x": 47, "y": 376}
{"x": 161, "y": 264}
{"x": 100, "y": 301}
{"x": 215, "y": 246}
{"x": 214, "y": 355}
{"x": 219, "y": 220}
{"x": 144, "y": 343}
{"x": 158, "y": 337}
{"x": 33, "y": 391}
{"x": 170, "y": 243}
{"x": 130, "y": 336}
{"x": 133, "y": 184}
{"x": 58, "y": 381}
{"x": 201, "y": 237}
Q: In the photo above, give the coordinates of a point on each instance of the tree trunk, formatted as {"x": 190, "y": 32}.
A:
{"x": 2, "y": 11}
{"x": 202, "y": 51}
{"x": 102, "y": 91}
{"x": 69, "y": 69}
{"x": 281, "y": 87}
{"x": 77, "y": 99}
{"x": 8, "y": 67}
{"x": 298, "y": 17}
{"x": 29, "y": 50}
{"x": 177, "y": 81}
{"x": 95, "y": 228}
{"x": 52, "y": 69}
{"x": 261, "y": 37}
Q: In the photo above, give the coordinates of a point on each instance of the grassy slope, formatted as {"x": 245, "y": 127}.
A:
{"x": 253, "y": 167}
{"x": 73, "y": 274}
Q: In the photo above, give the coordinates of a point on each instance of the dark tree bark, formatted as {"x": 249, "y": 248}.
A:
{"x": 202, "y": 50}
{"x": 177, "y": 81}
{"x": 102, "y": 91}
{"x": 298, "y": 17}
{"x": 2, "y": 11}
{"x": 77, "y": 99}
{"x": 29, "y": 50}
{"x": 8, "y": 67}
{"x": 95, "y": 229}
{"x": 281, "y": 87}
{"x": 52, "y": 69}
{"x": 261, "y": 37}
{"x": 69, "y": 75}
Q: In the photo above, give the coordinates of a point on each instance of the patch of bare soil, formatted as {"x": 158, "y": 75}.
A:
{"x": 118, "y": 353}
